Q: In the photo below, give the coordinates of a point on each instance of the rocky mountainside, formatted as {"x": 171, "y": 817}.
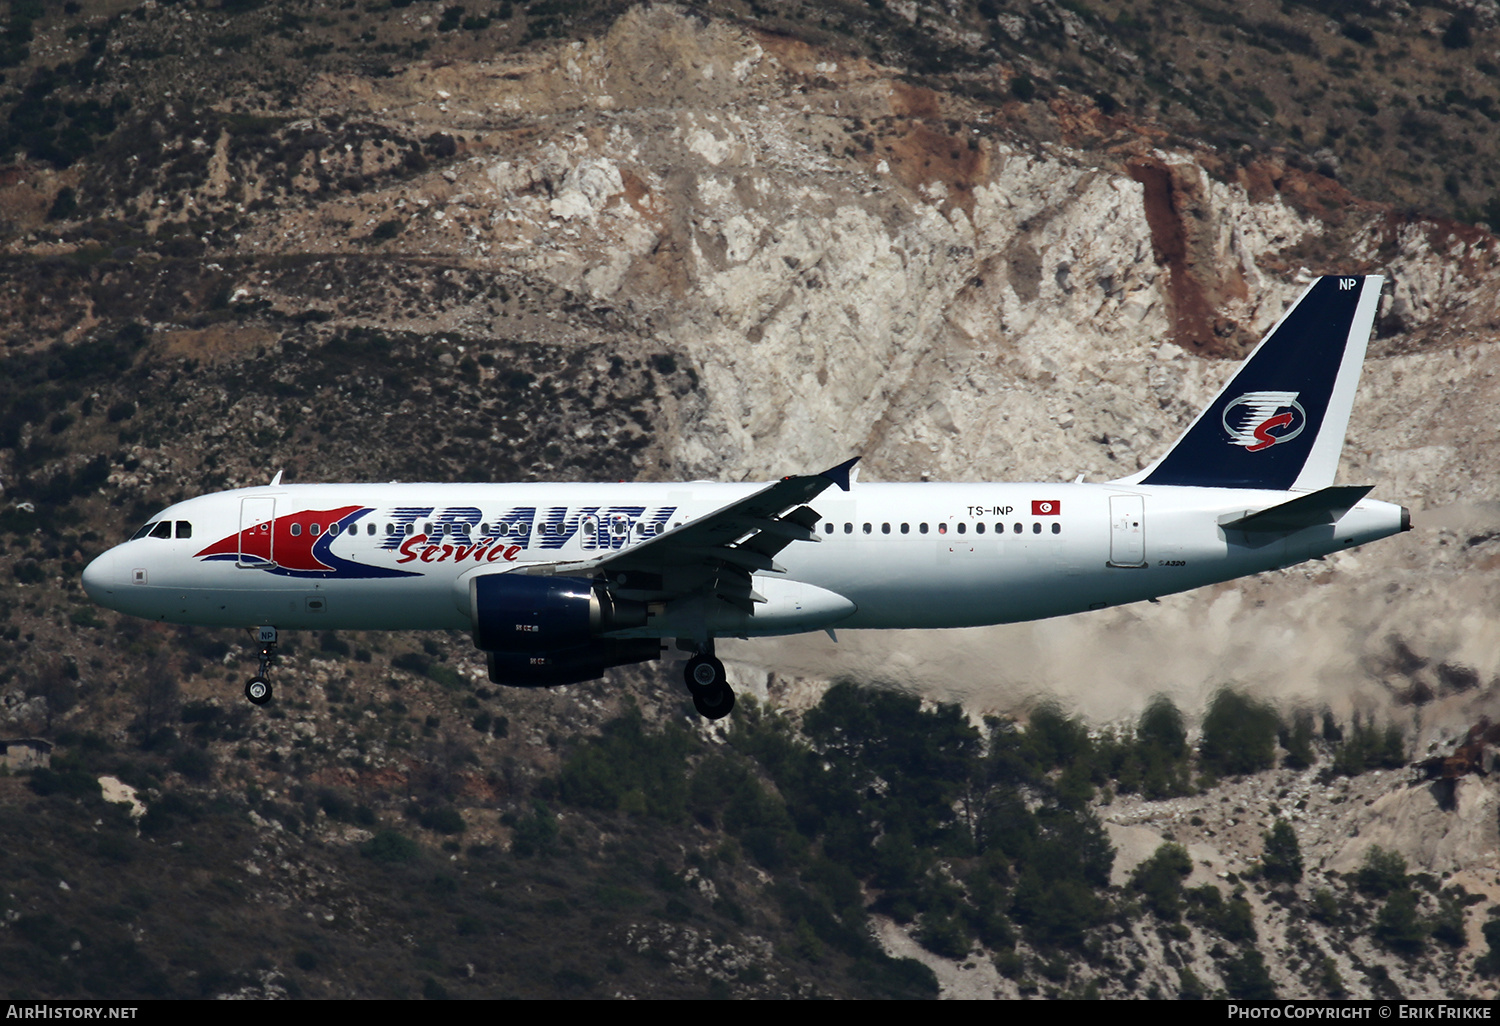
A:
{"x": 574, "y": 241}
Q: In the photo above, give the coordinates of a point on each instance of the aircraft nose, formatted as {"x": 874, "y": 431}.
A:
{"x": 100, "y": 577}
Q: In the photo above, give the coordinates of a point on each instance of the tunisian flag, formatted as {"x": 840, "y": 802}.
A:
{"x": 1046, "y": 508}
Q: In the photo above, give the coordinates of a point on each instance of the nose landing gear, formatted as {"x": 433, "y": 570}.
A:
{"x": 258, "y": 688}
{"x": 712, "y": 695}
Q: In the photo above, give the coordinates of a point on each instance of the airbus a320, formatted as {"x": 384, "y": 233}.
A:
{"x": 558, "y": 582}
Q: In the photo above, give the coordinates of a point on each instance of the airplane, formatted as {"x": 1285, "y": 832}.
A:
{"x": 558, "y": 582}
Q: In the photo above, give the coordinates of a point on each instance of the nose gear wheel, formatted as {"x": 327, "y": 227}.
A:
{"x": 258, "y": 688}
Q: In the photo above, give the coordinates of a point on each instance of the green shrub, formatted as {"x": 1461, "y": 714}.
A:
{"x": 196, "y": 764}
{"x": 1399, "y": 927}
{"x": 1247, "y": 979}
{"x": 1282, "y": 857}
{"x": 1159, "y": 880}
{"x": 444, "y": 820}
{"x": 1382, "y": 872}
{"x": 390, "y": 847}
{"x": 534, "y": 834}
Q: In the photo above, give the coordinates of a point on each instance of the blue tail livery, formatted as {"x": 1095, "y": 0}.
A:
{"x": 1279, "y": 424}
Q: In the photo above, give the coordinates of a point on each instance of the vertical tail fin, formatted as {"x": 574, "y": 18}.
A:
{"x": 1279, "y": 424}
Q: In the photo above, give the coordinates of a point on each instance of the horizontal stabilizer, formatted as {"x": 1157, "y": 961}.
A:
{"x": 1324, "y": 506}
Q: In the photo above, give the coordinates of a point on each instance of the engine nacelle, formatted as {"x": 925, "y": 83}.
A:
{"x": 526, "y": 614}
{"x": 569, "y": 666}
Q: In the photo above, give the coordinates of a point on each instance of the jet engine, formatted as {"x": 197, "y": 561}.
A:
{"x": 541, "y": 631}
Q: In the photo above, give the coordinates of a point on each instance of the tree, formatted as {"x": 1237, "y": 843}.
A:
{"x": 1459, "y": 35}
{"x": 1282, "y": 858}
{"x": 907, "y": 765}
{"x": 1159, "y": 879}
{"x": 1398, "y": 926}
{"x": 1298, "y": 743}
{"x": 1239, "y": 735}
{"x": 1161, "y": 728}
{"x": 1490, "y": 962}
{"x": 1162, "y": 750}
{"x": 1246, "y": 978}
{"x": 1382, "y": 872}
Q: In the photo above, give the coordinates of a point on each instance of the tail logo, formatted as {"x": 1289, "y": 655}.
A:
{"x": 1259, "y": 420}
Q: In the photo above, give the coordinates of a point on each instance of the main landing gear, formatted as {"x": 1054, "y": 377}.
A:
{"x": 712, "y": 695}
{"x": 258, "y": 689}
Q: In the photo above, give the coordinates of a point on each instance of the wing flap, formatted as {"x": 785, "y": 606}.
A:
{"x": 717, "y": 554}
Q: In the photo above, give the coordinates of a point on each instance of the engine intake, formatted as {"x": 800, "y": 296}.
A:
{"x": 525, "y": 614}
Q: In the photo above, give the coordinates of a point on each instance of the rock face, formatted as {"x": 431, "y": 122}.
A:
{"x": 1441, "y": 827}
{"x": 909, "y": 278}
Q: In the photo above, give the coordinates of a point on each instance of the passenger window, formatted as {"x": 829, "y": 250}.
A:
{"x": 962, "y": 528}
{"x": 502, "y": 529}
{"x": 885, "y": 528}
{"x": 315, "y": 529}
{"x": 922, "y": 528}
{"x": 1036, "y": 528}
{"x": 1057, "y": 528}
{"x": 184, "y": 529}
{"x": 867, "y": 529}
{"x": 979, "y": 528}
{"x": 1018, "y": 529}
{"x": 848, "y": 528}
{"x": 296, "y": 530}
{"x": 828, "y": 528}
{"x": 906, "y": 529}
{"x": 411, "y": 528}
{"x": 333, "y": 529}
{"x": 942, "y": 528}
{"x": 162, "y": 530}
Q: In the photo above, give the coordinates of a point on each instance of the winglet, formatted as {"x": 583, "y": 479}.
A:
{"x": 276, "y": 480}
{"x": 839, "y": 475}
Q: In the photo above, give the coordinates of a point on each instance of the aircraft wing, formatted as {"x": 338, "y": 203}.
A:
{"x": 717, "y": 553}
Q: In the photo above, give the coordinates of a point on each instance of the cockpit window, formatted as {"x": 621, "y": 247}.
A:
{"x": 162, "y": 530}
{"x": 184, "y": 529}
{"x": 145, "y": 530}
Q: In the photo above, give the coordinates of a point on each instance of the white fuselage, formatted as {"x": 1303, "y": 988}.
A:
{"x": 888, "y": 555}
